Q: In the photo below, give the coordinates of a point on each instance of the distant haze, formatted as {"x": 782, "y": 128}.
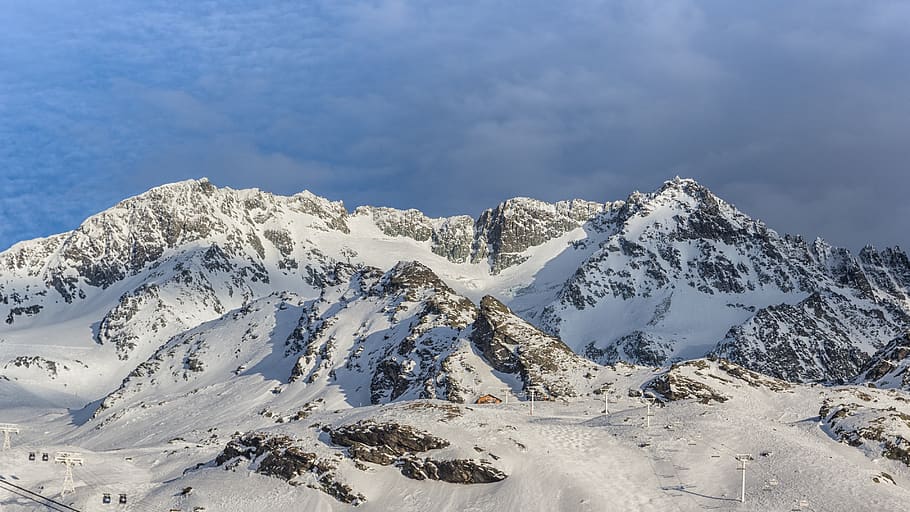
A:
{"x": 797, "y": 112}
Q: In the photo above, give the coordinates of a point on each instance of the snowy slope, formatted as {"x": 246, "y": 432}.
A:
{"x": 375, "y": 338}
{"x": 567, "y": 456}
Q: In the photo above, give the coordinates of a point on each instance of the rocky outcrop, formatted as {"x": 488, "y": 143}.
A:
{"x": 511, "y": 345}
{"x": 709, "y": 380}
{"x": 451, "y": 238}
{"x": 279, "y": 456}
{"x": 392, "y": 438}
{"x": 458, "y": 471}
{"x": 437, "y": 317}
{"x": 407, "y": 355}
{"x": 505, "y": 232}
{"x": 809, "y": 341}
{"x": 673, "y": 386}
{"x": 890, "y": 366}
{"x": 51, "y": 367}
{"x": 876, "y": 421}
{"x": 396, "y": 444}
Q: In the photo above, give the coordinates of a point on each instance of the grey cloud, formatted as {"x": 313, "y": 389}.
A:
{"x": 796, "y": 112}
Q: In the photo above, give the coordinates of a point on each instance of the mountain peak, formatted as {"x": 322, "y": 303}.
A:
{"x": 192, "y": 185}
{"x": 684, "y": 186}
{"x": 685, "y": 193}
{"x": 678, "y": 182}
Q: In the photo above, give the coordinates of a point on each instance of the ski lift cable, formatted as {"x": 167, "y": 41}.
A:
{"x": 94, "y": 482}
{"x": 4, "y": 482}
{"x": 100, "y": 484}
{"x": 651, "y": 458}
{"x": 36, "y": 444}
{"x": 33, "y": 439}
{"x": 668, "y": 458}
{"x": 132, "y": 505}
{"x": 26, "y": 496}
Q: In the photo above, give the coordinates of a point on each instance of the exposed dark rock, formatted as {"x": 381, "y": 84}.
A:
{"x": 673, "y": 387}
{"x": 855, "y": 417}
{"x": 281, "y": 239}
{"x": 890, "y": 366}
{"x": 51, "y": 367}
{"x": 382, "y": 455}
{"x": 412, "y": 277}
{"x": 642, "y": 347}
{"x": 458, "y": 471}
{"x": 497, "y": 347}
{"x": 280, "y": 458}
{"x": 412, "y": 365}
{"x": 393, "y": 438}
{"x": 393, "y": 443}
{"x": 451, "y": 238}
{"x": 701, "y": 380}
{"x": 518, "y": 224}
{"x": 454, "y": 238}
{"x": 511, "y": 345}
{"x": 19, "y": 311}
{"x": 801, "y": 343}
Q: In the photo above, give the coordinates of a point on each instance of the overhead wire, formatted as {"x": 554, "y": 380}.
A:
{"x": 26, "y": 496}
{"x": 55, "y": 503}
{"x": 98, "y": 483}
{"x": 94, "y": 483}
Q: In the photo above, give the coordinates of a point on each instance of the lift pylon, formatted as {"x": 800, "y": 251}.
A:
{"x": 70, "y": 460}
{"x": 7, "y": 429}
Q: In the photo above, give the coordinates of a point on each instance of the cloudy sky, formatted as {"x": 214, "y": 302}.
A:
{"x": 797, "y": 112}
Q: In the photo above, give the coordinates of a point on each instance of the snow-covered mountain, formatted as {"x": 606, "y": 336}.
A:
{"x": 655, "y": 278}
{"x": 234, "y": 341}
{"x": 680, "y": 273}
{"x": 375, "y": 338}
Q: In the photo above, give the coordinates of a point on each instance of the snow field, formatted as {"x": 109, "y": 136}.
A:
{"x": 568, "y": 456}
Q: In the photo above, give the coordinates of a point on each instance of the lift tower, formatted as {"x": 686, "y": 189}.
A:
{"x": 7, "y": 429}
{"x": 70, "y": 460}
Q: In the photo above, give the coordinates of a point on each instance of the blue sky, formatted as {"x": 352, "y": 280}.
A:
{"x": 797, "y": 112}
